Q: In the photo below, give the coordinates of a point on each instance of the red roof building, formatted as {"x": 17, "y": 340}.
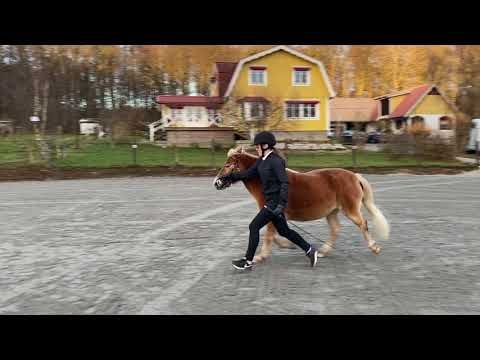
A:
{"x": 179, "y": 101}
{"x": 408, "y": 104}
{"x": 225, "y": 72}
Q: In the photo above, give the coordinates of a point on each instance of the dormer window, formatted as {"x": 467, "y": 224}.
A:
{"x": 257, "y": 75}
{"x": 301, "y": 76}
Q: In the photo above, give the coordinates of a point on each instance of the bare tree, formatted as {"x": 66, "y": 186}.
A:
{"x": 253, "y": 115}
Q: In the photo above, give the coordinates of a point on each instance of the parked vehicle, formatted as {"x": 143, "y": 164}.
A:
{"x": 347, "y": 137}
{"x": 374, "y": 137}
{"x": 474, "y": 136}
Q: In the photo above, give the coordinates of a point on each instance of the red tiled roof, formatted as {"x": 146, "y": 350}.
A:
{"x": 302, "y": 101}
{"x": 182, "y": 100}
{"x": 353, "y": 109}
{"x": 410, "y": 101}
{"x": 253, "y": 99}
{"x": 225, "y": 72}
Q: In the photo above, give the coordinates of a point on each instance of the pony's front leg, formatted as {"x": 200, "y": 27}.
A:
{"x": 334, "y": 224}
{"x": 268, "y": 239}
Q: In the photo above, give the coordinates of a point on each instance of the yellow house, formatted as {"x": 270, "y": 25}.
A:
{"x": 282, "y": 90}
{"x": 279, "y": 89}
{"x": 424, "y": 104}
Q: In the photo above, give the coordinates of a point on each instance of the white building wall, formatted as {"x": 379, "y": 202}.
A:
{"x": 89, "y": 128}
{"x": 188, "y": 116}
{"x": 431, "y": 121}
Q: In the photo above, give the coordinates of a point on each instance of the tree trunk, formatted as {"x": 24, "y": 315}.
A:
{"x": 46, "y": 88}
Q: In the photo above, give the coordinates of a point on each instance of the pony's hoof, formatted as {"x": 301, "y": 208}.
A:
{"x": 376, "y": 249}
{"x": 259, "y": 258}
{"x": 324, "y": 251}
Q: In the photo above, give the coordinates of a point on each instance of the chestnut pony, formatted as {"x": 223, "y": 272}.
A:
{"x": 311, "y": 196}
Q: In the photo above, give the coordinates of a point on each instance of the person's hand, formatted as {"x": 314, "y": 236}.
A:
{"x": 278, "y": 211}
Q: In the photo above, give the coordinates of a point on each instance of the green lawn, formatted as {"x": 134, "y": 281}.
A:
{"x": 15, "y": 150}
{"x": 364, "y": 159}
{"x": 102, "y": 154}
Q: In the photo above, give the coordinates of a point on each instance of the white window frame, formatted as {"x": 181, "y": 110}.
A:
{"x": 177, "y": 114}
{"x": 247, "y": 112}
{"x": 301, "y": 111}
{"x": 309, "y": 77}
{"x": 193, "y": 114}
{"x": 450, "y": 123}
{"x": 214, "y": 115}
{"x": 265, "y": 76}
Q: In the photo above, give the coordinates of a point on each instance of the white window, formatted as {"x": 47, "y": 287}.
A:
{"x": 301, "y": 76}
{"x": 257, "y": 76}
{"x": 189, "y": 114}
{"x": 193, "y": 113}
{"x": 254, "y": 110}
{"x": 298, "y": 110}
{"x": 446, "y": 123}
{"x": 177, "y": 114}
{"x": 212, "y": 113}
{"x": 214, "y": 116}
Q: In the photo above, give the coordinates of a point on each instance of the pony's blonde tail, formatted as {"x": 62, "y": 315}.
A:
{"x": 382, "y": 228}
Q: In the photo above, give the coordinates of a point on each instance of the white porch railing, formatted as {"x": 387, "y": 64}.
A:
{"x": 155, "y": 126}
{"x": 165, "y": 122}
{"x": 215, "y": 119}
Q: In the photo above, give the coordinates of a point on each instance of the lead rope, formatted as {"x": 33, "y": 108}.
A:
{"x": 306, "y": 232}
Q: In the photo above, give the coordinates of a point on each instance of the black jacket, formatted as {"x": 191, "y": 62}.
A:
{"x": 273, "y": 177}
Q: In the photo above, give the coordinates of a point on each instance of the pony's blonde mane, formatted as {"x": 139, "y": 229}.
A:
{"x": 239, "y": 150}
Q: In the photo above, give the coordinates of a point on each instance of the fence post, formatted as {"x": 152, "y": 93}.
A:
{"x": 175, "y": 155}
{"x": 51, "y": 152}
{"x": 478, "y": 152}
{"x": 354, "y": 155}
{"x": 416, "y": 149}
{"x": 31, "y": 149}
{"x": 212, "y": 153}
{"x": 134, "y": 153}
{"x": 354, "y": 150}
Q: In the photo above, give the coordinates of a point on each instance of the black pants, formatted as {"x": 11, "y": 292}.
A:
{"x": 263, "y": 218}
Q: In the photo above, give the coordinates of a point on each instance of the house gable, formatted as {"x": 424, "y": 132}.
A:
{"x": 279, "y": 67}
{"x": 264, "y": 56}
{"x": 433, "y": 104}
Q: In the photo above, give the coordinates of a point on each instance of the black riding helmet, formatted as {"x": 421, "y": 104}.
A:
{"x": 265, "y": 137}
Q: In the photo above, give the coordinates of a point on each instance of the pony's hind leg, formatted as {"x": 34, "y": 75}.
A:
{"x": 357, "y": 219}
{"x": 334, "y": 224}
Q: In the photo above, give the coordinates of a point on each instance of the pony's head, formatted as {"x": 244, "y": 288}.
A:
{"x": 237, "y": 160}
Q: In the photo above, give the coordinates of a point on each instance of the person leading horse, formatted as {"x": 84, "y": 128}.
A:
{"x": 270, "y": 168}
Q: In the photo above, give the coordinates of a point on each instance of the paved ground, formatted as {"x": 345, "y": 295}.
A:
{"x": 164, "y": 246}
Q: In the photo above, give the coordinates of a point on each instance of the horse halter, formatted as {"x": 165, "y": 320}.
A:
{"x": 234, "y": 167}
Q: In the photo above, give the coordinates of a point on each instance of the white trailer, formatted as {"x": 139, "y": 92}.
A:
{"x": 474, "y": 135}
